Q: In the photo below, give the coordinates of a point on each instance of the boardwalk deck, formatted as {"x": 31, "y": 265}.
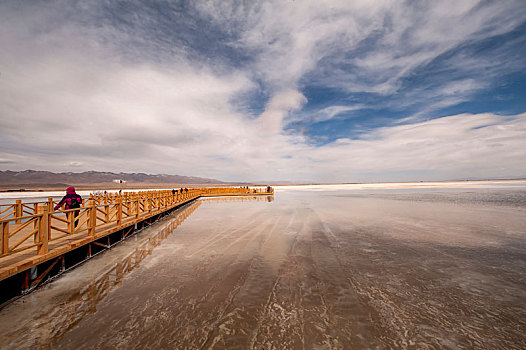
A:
{"x": 27, "y": 241}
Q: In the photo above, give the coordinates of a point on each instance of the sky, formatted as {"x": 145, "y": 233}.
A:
{"x": 298, "y": 91}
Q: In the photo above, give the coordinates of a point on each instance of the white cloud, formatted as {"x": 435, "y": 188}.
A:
{"x": 380, "y": 44}
{"x": 72, "y": 96}
{"x": 278, "y": 108}
{"x": 465, "y": 145}
{"x": 290, "y": 38}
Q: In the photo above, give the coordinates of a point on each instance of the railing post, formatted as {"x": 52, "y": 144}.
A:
{"x": 43, "y": 230}
{"x": 149, "y": 203}
{"x": 18, "y": 211}
{"x": 50, "y": 203}
{"x": 92, "y": 217}
{"x": 106, "y": 209}
{"x": 137, "y": 207}
{"x": 119, "y": 211}
{"x": 5, "y": 237}
{"x": 71, "y": 221}
{"x": 128, "y": 202}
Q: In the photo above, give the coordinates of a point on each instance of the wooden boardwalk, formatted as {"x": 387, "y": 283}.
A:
{"x": 32, "y": 233}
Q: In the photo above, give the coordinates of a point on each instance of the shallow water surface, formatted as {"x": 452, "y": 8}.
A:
{"x": 310, "y": 269}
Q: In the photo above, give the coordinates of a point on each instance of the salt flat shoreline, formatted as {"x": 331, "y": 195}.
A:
{"x": 371, "y": 185}
{"x": 412, "y": 184}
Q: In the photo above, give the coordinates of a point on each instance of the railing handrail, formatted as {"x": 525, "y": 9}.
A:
{"x": 25, "y": 217}
{"x": 113, "y": 195}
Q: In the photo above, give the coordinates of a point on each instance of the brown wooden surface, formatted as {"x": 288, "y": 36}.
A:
{"x": 46, "y": 234}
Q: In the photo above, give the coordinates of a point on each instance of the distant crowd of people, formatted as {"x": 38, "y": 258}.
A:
{"x": 269, "y": 189}
{"x": 182, "y": 190}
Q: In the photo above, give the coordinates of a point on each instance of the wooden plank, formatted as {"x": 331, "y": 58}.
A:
{"x": 102, "y": 245}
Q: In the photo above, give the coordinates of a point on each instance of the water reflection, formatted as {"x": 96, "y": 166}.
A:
{"x": 76, "y": 306}
{"x": 313, "y": 269}
{"x": 238, "y": 199}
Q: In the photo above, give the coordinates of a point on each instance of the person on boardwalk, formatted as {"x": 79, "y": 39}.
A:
{"x": 71, "y": 201}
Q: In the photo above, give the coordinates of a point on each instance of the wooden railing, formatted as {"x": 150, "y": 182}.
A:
{"x": 84, "y": 300}
{"x": 36, "y": 226}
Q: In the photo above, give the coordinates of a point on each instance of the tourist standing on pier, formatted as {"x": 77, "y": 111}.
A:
{"x": 71, "y": 201}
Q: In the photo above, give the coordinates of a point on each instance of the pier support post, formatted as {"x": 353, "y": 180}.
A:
{"x": 43, "y": 232}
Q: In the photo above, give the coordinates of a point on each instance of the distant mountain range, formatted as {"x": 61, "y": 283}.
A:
{"x": 49, "y": 179}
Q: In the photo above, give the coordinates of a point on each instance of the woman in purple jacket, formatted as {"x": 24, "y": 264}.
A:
{"x": 71, "y": 201}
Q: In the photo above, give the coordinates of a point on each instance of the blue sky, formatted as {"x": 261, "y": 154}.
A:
{"x": 301, "y": 91}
